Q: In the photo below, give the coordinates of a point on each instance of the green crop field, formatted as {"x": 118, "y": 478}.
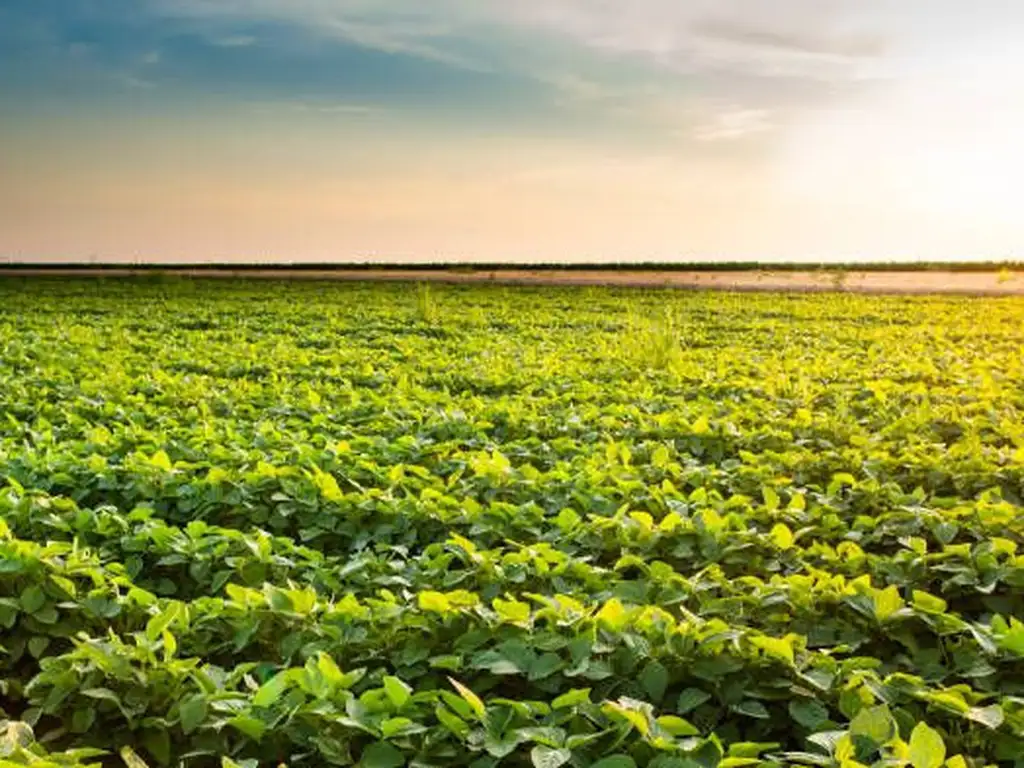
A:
{"x": 379, "y": 525}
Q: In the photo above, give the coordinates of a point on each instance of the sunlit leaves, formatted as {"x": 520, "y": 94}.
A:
{"x": 269, "y": 524}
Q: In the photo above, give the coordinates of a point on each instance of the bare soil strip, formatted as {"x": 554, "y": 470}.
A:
{"x": 896, "y": 282}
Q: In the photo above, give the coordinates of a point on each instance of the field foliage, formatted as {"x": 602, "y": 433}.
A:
{"x": 333, "y": 524}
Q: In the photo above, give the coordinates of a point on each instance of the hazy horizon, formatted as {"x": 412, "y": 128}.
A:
{"x": 540, "y": 130}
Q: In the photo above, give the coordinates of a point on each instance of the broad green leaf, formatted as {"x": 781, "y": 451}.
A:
{"x": 512, "y": 611}
{"x": 991, "y": 716}
{"x": 778, "y": 648}
{"x": 161, "y": 460}
{"x": 381, "y": 755}
{"x": 435, "y": 602}
{"x": 887, "y": 601}
{"x": 270, "y": 691}
{"x": 677, "y": 726}
{"x": 690, "y": 699}
{"x": 548, "y": 757}
{"x": 250, "y": 726}
{"x": 573, "y": 698}
{"x": 192, "y": 712}
{"x": 82, "y": 719}
{"x": 396, "y": 726}
{"x": 654, "y": 679}
{"x": 615, "y": 761}
{"x": 875, "y": 724}
{"x": 927, "y": 749}
{"x": 928, "y": 603}
{"x": 32, "y": 599}
{"x": 752, "y": 708}
{"x": 545, "y": 666}
{"x": 398, "y": 692}
{"x": 809, "y": 713}
{"x": 613, "y": 615}
{"x": 782, "y": 536}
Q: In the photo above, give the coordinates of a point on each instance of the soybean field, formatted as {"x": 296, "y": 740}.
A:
{"x": 248, "y": 523}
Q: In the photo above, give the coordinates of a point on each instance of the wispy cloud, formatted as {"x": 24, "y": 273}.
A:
{"x": 754, "y": 57}
{"x": 406, "y": 28}
{"x": 732, "y": 123}
{"x": 314, "y": 106}
{"x": 235, "y": 41}
{"x": 786, "y": 38}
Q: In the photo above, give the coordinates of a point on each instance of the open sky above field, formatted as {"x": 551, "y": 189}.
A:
{"x": 533, "y": 129}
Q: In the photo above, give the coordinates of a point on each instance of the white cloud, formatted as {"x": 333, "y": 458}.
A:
{"x": 785, "y": 38}
{"x": 733, "y": 123}
{"x": 402, "y": 27}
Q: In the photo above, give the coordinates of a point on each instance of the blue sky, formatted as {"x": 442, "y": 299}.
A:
{"x": 479, "y": 129}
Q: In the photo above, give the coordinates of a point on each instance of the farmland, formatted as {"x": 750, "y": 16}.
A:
{"x": 256, "y": 522}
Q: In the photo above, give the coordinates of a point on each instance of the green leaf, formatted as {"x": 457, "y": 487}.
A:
{"x": 398, "y": 692}
{"x": 615, "y": 761}
{"x": 82, "y": 719}
{"x": 452, "y": 722}
{"x": 32, "y": 599}
{"x": 613, "y": 615}
{"x": 875, "y": 724}
{"x": 381, "y": 755}
{"x": 690, "y": 699}
{"x": 156, "y": 625}
{"x": 435, "y": 602}
{"x": 573, "y": 698}
{"x": 545, "y": 666}
{"x": 809, "y": 713}
{"x": 512, "y": 611}
{"x": 654, "y": 679}
{"x": 46, "y": 615}
{"x": 777, "y": 648}
{"x": 37, "y": 646}
{"x": 782, "y": 537}
{"x": 250, "y": 726}
{"x": 549, "y": 757}
{"x": 270, "y": 691}
{"x": 991, "y": 716}
{"x": 396, "y": 726}
{"x": 158, "y": 744}
{"x": 192, "y": 712}
{"x": 928, "y": 603}
{"x": 131, "y": 759}
{"x": 886, "y": 602}
{"x": 471, "y": 698}
{"x": 752, "y": 708}
{"x": 927, "y": 749}
{"x": 677, "y": 726}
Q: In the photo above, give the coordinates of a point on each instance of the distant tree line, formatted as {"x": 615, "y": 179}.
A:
{"x": 484, "y": 266}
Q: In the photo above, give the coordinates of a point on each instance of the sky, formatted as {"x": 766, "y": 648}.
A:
{"x": 511, "y": 130}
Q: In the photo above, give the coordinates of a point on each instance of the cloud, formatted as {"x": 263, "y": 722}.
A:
{"x": 733, "y": 123}
{"x": 646, "y": 65}
{"x": 812, "y": 39}
{"x": 775, "y": 36}
{"x": 317, "y": 107}
{"x": 234, "y": 41}
{"x": 403, "y": 27}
